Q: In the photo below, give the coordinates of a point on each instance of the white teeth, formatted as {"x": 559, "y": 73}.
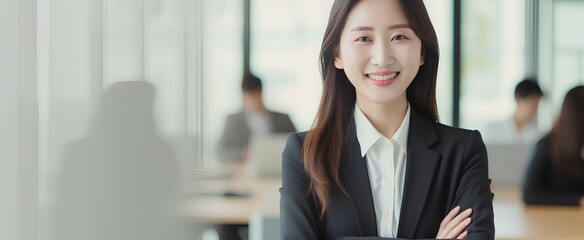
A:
{"x": 382, "y": 77}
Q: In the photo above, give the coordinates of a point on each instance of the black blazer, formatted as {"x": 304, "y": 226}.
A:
{"x": 544, "y": 184}
{"x": 446, "y": 167}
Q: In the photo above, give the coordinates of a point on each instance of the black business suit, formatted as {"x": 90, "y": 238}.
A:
{"x": 445, "y": 167}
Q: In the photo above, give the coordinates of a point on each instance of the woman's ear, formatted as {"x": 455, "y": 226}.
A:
{"x": 422, "y": 58}
{"x": 338, "y": 62}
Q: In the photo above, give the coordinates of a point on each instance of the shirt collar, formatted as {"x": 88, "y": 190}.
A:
{"x": 367, "y": 135}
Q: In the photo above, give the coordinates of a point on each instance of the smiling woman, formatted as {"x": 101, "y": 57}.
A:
{"x": 374, "y": 54}
{"x": 376, "y": 161}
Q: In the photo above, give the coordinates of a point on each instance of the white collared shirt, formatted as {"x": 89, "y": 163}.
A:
{"x": 258, "y": 123}
{"x": 386, "y": 164}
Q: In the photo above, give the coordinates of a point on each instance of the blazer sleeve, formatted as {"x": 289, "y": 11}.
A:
{"x": 299, "y": 218}
{"x": 474, "y": 189}
{"x": 536, "y": 189}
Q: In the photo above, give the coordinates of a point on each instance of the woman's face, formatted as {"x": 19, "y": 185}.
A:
{"x": 379, "y": 52}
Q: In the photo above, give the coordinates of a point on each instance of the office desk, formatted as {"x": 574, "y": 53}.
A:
{"x": 513, "y": 220}
{"x": 209, "y": 206}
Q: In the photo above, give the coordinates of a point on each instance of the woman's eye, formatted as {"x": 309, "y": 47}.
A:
{"x": 399, "y": 37}
{"x": 363, "y": 39}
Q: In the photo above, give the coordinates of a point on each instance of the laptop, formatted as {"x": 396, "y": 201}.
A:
{"x": 264, "y": 154}
{"x": 508, "y": 163}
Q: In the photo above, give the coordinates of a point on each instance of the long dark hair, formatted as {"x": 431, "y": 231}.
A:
{"x": 567, "y": 135}
{"x": 324, "y": 143}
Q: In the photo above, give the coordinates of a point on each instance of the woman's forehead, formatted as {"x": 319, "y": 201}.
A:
{"x": 376, "y": 13}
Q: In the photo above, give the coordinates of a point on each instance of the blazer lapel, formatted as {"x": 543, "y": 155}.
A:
{"x": 420, "y": 167}
{"x": 356, "y": 179}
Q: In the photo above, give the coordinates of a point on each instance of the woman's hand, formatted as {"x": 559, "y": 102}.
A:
{"x": 454, "y": 224}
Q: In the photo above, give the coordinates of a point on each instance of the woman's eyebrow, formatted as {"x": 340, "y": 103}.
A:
{"x": 369, "y": 28}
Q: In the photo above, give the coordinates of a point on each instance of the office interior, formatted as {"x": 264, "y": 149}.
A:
{"x": 58, "y": 58}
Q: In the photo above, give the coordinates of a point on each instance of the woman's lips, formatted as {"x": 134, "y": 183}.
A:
{"x": 382, "y": 78}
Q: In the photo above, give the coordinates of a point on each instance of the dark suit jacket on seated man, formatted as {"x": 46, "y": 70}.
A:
{"x": 254, "y": 119}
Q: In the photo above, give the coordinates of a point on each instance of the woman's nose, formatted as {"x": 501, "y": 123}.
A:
{"x": 381, "y": 54}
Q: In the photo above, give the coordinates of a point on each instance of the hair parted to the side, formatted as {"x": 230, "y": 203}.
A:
{"x": 567, "y": 135}
{"x": 324, "y": 143}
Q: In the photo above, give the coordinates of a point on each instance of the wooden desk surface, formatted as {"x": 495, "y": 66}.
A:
{"x": 262, "y": 195}
{"x": 513, "y": 220}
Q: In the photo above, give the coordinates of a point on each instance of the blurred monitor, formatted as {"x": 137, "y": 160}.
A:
{"x": 508, "y": 163}
{"x": 264, "y": 154}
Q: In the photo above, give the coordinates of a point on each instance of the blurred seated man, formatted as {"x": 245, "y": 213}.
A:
{"x": 521, "y": 127}
{"x": 254, "y": 119}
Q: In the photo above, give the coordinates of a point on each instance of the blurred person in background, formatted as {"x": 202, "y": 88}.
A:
{"x": 521, "y": 127}
{"x": 253, "y": 119}
{"x": 555, "y": 175}
{"x": 117, "y": 182}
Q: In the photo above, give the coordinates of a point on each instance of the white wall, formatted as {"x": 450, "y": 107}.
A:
{"x": 18, "y": 111}
{"x": 8, "y": 114}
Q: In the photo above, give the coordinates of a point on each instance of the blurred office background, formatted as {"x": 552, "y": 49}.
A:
{"x": 57, "y": 57}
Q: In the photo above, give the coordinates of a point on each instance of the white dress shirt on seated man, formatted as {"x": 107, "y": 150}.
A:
{"x": 506, "y": 132}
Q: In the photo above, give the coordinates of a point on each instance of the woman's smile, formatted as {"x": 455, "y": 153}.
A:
{"x": 382, "y": 78}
